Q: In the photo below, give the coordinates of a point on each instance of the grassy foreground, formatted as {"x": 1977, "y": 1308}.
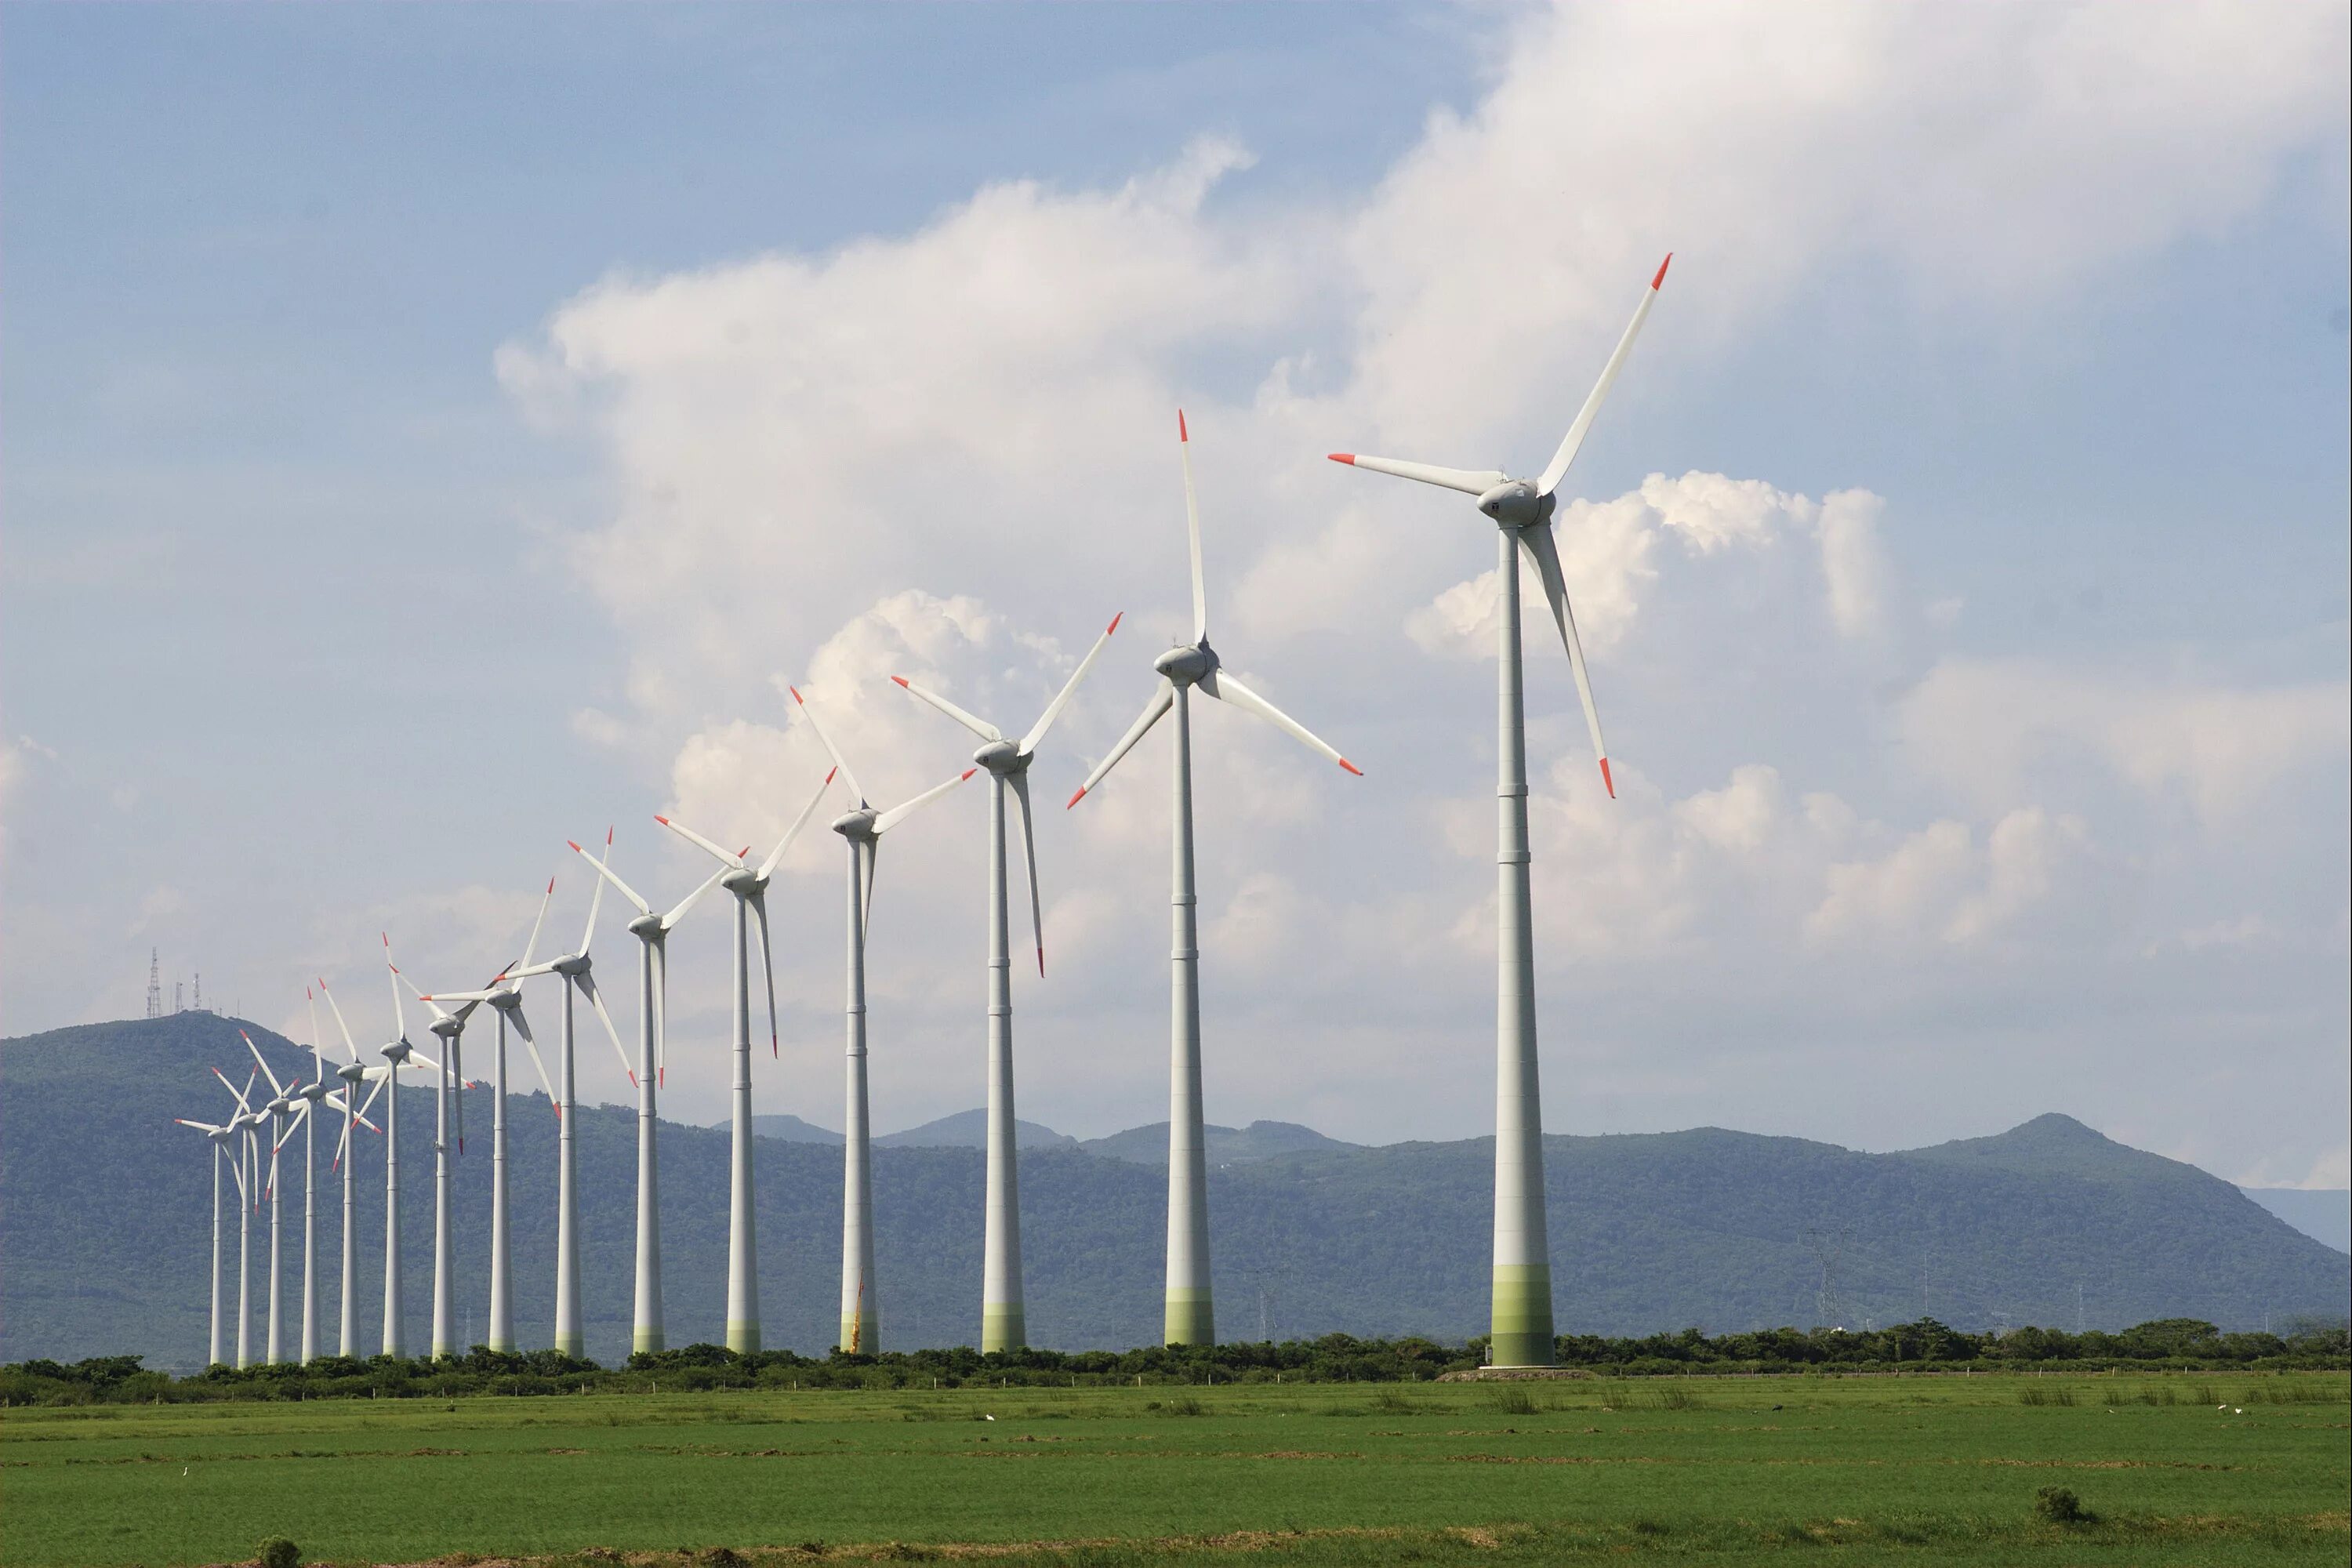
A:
{"x": 1940, "y": 1469}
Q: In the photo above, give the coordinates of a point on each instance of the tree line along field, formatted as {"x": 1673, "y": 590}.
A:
{"x": 2226, "y": 1467}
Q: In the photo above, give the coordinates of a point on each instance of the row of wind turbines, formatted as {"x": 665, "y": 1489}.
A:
{"x": 1523, "y": 512}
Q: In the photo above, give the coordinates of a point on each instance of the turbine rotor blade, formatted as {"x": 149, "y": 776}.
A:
{"x": 1162, "y": 699}
{"x": 587, "y": 984}
{"x": 847, "y": 776}
{"x": 726, "y": 857}
{"x": 1221, "y": 685}
{"x": 775, "y": 856}
{"x": 1557, "y": 470}
{"x": 595, "y": 902}
{"x": 692, "y": 898}
{"x": 1543, "y": 550}
{"x": 767, "y": 964}
{"x": 1062, "y": 697}
{"x": 349, "y": 1043}
{"x": 870, "y": 855}
{"x": 661, "y": 1014}
{"x": 392, "y": 979}
{"x": 905, "y": 809}
{"x": 972, "y": 721}
{"x": 531, "y": 946}
{"x": 1193, "y": 533}
{"x": 608, "y": 874}
{"x": 1469, "y": 481}
{"x": 521, "y": 1025}
{"x": 276, "y": 1086}
{"x": 1019, "y": 783}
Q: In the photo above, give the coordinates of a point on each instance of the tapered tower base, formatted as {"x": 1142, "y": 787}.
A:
{"x": 1522, "y": 1320}
{"x": 1003, "y": 1329}
{"x": 743, "y": 1339}
{"x": 1188, "y": 1320}
{"x": 647, "y": 1342}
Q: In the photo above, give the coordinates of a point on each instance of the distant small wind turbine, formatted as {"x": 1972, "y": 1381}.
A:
{"x": 1004, "y": 1318}
{"x": 750, "y": 890}
{"x": 861, "y": 830}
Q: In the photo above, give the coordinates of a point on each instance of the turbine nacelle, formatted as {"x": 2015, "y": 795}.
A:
{"x": 571, "y": 965}
{"x": 1518, "y": 504}
{"x": 351, "y": 1073}
{"x": 744, "y": 882}
{"x": 857, "y": 827}
{"x": 448, "y": 1028}
{"x": 506, "y": 999}
{"x": 1002, "y": 758}
{"x": 1187, "y": 664}
{"x": 398, "y": 1052}
{"x": 647, "y": 928}
{"x": 313, "y": 1093}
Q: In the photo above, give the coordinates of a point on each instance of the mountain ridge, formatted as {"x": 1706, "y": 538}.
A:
{"x": 103, "y": 1204}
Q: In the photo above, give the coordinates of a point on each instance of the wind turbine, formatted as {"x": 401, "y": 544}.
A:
{"x": 398, "y": 1052}
{"x": 449, "y": 1085}
{"x": 652, "y": 931}
{"x": 355, "y": 1110}
{"x": 1002, "y": 1313}
{"x": 1189, "y": 1316}
{"x": 242, "y": 1121}
{"x": 1522, "y": 512}
{"x": 279, "y": 1107}
{"x": 220, "y": 1138}
{"x": 862, "y": 830}
{"x": 505, "y": 999}
{"x": 750, "y": 890}
{"x": 305, "y": 1098}
{"x": 576, "y": 969}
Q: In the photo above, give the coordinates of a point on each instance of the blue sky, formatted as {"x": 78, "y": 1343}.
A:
{"x": 427, "y": 434}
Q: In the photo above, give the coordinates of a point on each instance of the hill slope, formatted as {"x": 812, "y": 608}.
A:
{"x": 104, "y": 1234}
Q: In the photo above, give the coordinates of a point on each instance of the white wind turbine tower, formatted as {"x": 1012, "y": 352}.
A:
{"x": 576, "y": 970}
{"x": 449, "y": 1085}
{"x": 750, "y": 888}
{"x": 220, "y": 1138}
{"x": 862, "y": 830}
{"x": 242, "y": 1121}
{"x": 505, "y": 999}
{"x": 1189, "y": 1316}
{"x": 397, "y": 1053}
{"x": 355, "y": 1110}
{"x": 1003, "y": 1312}
{"x": 280, "y": 1107}
{"x": 652, "y": 931}
{"x": 308, "y": 1096}
{"x": 1522, "y": 512}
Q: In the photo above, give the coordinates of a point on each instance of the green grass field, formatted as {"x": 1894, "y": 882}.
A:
{"x": 1699, "y": 1471}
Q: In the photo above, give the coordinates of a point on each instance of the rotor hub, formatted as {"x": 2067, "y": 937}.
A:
{"x": 398, "y": 1052}
{"x": 1186, "y": 664}
{"x": 1001, "y": 758}
{"x": 350, "y": 1073}
{"x": 448, "y": 1028}
{"x": 645, "y": 926}
{"x": 1515, "y": 504}
{"x": 855, "y": 826}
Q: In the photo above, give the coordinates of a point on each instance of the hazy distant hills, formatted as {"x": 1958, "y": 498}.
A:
{"x": 1146, "y": 1145}
{"x": 104, "y": 1234}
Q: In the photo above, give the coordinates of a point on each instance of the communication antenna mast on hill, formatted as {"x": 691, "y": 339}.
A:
{"x": 198, "y": 1004}
{"x": 176, "y": 1007}
{"x": 154, "y": 983}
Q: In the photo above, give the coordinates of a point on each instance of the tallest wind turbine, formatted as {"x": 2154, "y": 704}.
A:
{"x": 1522, "y": 510}
{"x": 1191, "y": 1317}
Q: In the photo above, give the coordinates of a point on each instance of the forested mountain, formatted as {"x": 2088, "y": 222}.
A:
{"x": 104, "y": 1233}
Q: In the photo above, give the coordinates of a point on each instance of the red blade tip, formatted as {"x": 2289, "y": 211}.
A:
{"x": 1351, "y": 767}
{"x": 1661, "y": 277}
{"x": 575, "y": 846}
{"x": 1347, "y": 457}
{"x": 1181, "y": 434}
{"x": 796, "y": 695}
{"x": 1076, "y": 798}
{"x": 899, "y": 678}
{"x": 1114, "y": 623}
{"x": 1607, "y": 780}
{"x": 967, "y": 773}
{"x": 663, "y": 820}
{"x": 1041, "y": 963}
{"x": 829, "y": 773}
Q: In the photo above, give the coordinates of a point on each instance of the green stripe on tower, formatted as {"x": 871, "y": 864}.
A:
{"x": 743, "y": 1339}
{"x": 1523, "y": 1327}
{"x": 1002, "y": 1329}
{"x": 1190, "y": 1320}
{"x": 648, "y": 1342}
